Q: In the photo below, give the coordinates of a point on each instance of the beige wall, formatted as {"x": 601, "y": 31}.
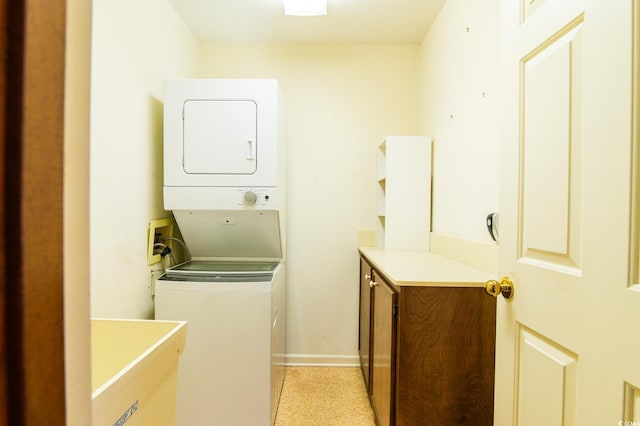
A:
{"x": 341, "y": 100}
{"x": 136, "y": 46}
{"x": 460, "y": 96}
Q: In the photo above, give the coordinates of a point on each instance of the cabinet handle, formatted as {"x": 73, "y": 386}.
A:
{"x": 372, "y": 283}
{"x": 367, "y": 277}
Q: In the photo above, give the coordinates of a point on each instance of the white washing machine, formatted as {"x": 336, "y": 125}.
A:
{"x": 232, "y": 369}
{"x": 232, "y": 294}
{"x": 225, "y": 182}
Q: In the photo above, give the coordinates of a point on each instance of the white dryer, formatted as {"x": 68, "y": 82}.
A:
{"x": 223, "y": 145}
{"x": 225, "y": 182}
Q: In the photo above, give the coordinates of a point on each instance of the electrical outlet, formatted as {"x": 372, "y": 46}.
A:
{"x": 158, "y": 231}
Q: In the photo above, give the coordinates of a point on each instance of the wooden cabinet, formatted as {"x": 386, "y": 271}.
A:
{"x": 383, "y": 330}
{"x": 365, "y": 320}
{"x": 431, "y": 352}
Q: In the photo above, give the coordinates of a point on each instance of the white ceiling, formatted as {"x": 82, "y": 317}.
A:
{"x": 347, "y": 21}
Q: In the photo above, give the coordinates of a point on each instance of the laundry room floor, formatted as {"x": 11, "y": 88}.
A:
{"x": 324, "y": 396}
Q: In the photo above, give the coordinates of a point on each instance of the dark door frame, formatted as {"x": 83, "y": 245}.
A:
{"x": 32, "y": 66}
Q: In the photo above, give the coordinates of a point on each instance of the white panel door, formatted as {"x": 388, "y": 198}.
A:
{"x": 220, "y": 137}
{"x": 568, "y": 340}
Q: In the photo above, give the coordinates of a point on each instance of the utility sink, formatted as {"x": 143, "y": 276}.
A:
{"x": 134, "y": 371}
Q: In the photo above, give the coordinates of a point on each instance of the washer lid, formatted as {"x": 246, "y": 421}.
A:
{"x": 231, "y": 233}
{"x": 222, "y": 271}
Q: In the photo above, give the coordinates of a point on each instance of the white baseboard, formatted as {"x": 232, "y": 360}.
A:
{"x": 309, "y": 360}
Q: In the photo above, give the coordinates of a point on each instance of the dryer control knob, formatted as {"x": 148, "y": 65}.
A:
{"x": 250, "y": 197}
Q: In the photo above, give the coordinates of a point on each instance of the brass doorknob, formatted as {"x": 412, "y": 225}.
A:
{"x": 504, "y": 287}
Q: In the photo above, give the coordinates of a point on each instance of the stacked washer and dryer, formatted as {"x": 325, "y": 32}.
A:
{"x": 225, "y": 182}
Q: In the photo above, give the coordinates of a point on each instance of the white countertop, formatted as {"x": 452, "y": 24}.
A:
{"x": 424, "y": 269}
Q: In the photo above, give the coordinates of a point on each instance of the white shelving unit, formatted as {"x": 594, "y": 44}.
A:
{"x": 404, "y": 193}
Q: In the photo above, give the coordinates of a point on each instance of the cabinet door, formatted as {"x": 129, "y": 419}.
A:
{"x": 383, "y": 351}
{"x": 365, "y": 321}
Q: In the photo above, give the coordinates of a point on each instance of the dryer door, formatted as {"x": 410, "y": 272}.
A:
{"x": 222, "y": 133}
{"x": 220, "y": 137}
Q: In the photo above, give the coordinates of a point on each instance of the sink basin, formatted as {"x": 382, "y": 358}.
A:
{"x": 134, "y": 371}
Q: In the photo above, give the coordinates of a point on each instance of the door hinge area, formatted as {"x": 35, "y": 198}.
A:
{"x": 395, "y": 309}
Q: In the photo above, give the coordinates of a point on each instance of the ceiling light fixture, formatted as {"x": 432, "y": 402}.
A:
{"x": 305, "y": 7}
